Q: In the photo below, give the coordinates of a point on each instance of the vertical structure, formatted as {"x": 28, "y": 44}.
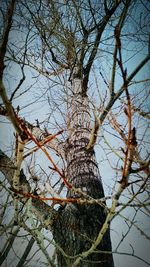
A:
{"x": 82, "y": 170}
{"x": 78, "y": 225}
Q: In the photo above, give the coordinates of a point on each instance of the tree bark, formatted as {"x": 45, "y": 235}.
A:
{"x": 78, "y": 225}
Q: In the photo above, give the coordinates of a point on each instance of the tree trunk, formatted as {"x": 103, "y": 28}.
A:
{"x": 78, "y": 224}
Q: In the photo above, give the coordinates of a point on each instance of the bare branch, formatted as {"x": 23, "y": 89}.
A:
{"x": 6, "y": 32}
{"x": 8, "y": 245}
{"x": 10, "y": 110}
{"x": 114, "y": 98}
{"x": 40, "y": 209}
{"x": 100, "y": 28}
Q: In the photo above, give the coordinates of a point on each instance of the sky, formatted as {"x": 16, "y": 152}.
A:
{"x": 34, "y": 107}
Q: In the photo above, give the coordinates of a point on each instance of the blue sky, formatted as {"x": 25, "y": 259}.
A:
{"x": 34, "y": 106}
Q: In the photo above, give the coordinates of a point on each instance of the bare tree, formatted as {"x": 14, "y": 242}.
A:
{"x": 77, "y": 59}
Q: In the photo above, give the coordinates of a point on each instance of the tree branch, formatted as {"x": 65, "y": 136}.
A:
{"x": 44, "y": 138}
{"x": 7, "y": 28}
{"x": 40, "y": 209}
{"x": 117, "y": 48}
{"x": 26, "y": 253}
{"x": 9, "y": 242}
{"x": 115, "y": 97}
{"x": 100, "y": 28}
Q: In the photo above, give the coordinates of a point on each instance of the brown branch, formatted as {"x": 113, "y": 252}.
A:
{"x": 10, "y": 110}
{"x": 131, "y": 140}
{"x": 40, "y": 209}
{"x": 84, "y": 199}
{"x": 117, "y": 48}
{"x": 100, "y": 28}
{"x": 43, "y": 137}
{"x": 30, "y": 136}
{"x": 6, "y": 32}
{"x": 141, "y": 112}
{"x": 116, "y": 96}
{"x": 117, "y": 127}
{"x": 144, "y": 166}
{"x": 45, "y": 140}
{"x": 56, "y": 200}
